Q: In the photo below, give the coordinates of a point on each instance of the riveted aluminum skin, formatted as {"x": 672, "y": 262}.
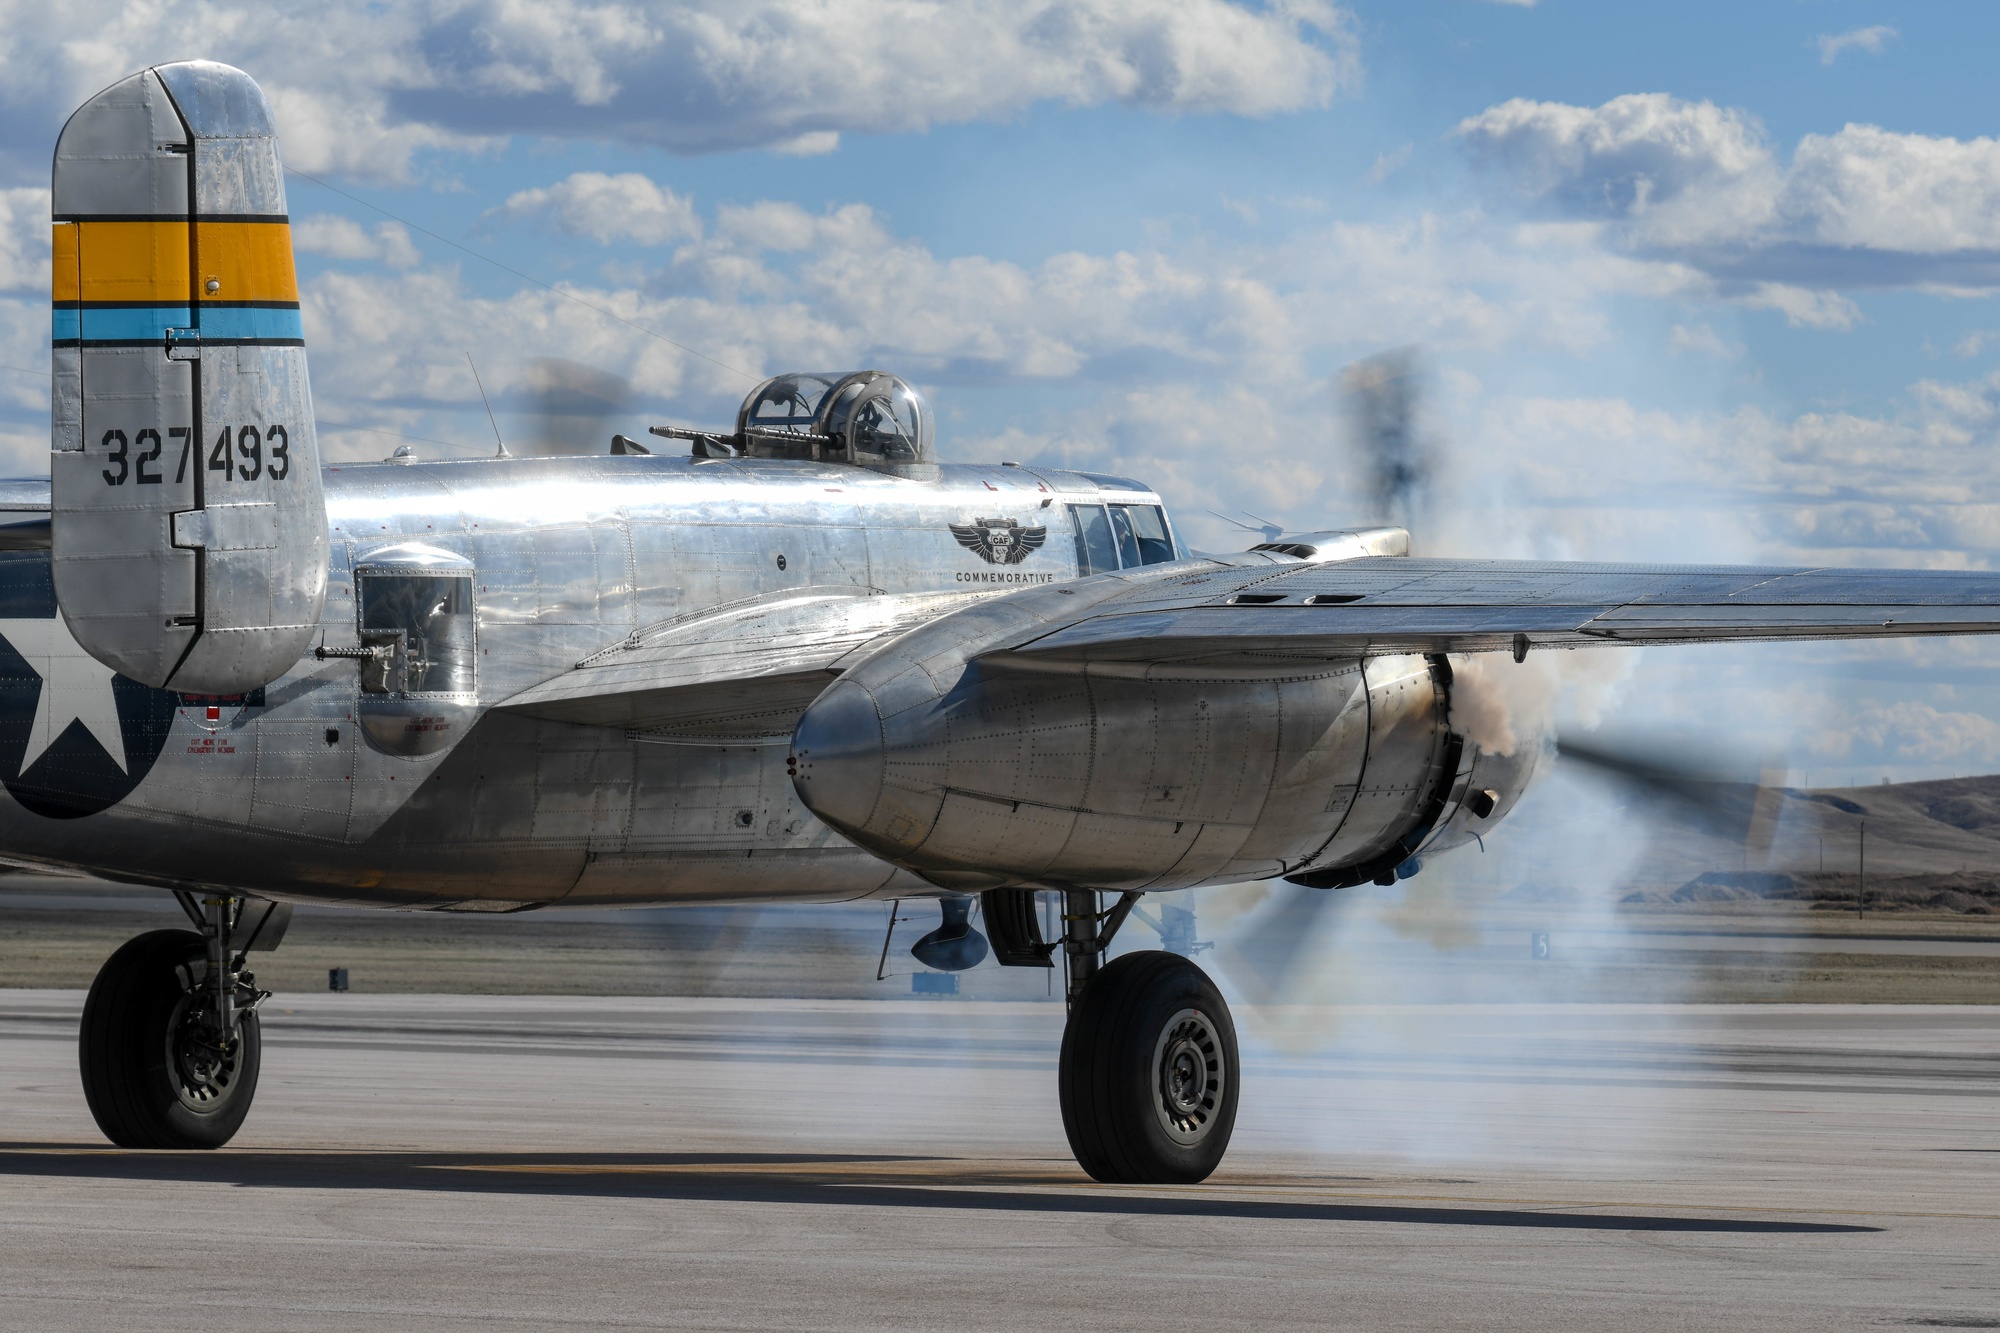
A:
{"x": 977, "y": 771}
{"x": 574, "y": 560}
{"x": 639, "y": 679}
{"x": 188, "y": 520}
{"x": 643, "y": 623}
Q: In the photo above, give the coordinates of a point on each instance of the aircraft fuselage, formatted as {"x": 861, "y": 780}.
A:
{"x": 280, "y": 792}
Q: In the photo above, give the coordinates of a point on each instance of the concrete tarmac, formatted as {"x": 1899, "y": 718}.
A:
{"x": 433, "y": 1162}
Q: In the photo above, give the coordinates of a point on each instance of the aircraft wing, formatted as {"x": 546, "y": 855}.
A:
{"x": 1398, "y": 604}
{"x": 735, "y": 673}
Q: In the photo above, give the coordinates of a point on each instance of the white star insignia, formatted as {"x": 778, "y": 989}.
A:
{"x": 76, "y": 687}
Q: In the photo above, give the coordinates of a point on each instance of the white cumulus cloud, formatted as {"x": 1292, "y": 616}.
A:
{"x": 606, "y": 208}
{"x": 1873, "y": 40}
{"x": 343, "y": 238}
{"x": 1700, "y": 340}
{"x": 1863, "y": 206}
{"x": 24, "y": 240}
{"x": 1804, "y": 309}
{"x": 365, "y": 89}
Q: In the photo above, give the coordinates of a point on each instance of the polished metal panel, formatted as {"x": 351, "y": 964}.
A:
{"x": 806, "y": 662}
{"x": 980, "y": 772}
{"x": 647, "y": 593}
{"x": 740, "y": 671}
{"x": 120, "y": 281}
{"x": 188, "y": 520}
{"x": 1319, "y": 548}
{"x": 1402, "y": 770}
{"x": 1387, "y": 605}
{"x": 118, "y": 154}
{"x": 635, "y": 567}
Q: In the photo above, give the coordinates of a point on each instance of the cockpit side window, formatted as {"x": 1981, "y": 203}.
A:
{"x": 1096, "y": 548}
{"x": 422, "y": 626}
{"x": 1121, "y": 537}
{"x": 1148, "y": 525}
{"x": 1128, "y": 545}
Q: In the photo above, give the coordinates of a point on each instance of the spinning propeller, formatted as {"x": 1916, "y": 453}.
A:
{"x": 1383, "y": 410}
{"x": 573, "y": 407}
{"x": 1381, "y": 396}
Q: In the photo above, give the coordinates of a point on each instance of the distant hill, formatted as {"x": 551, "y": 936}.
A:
{"x": 1933, "y": 845}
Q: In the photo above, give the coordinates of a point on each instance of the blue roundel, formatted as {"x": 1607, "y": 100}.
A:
{"x": 54, "y": 755}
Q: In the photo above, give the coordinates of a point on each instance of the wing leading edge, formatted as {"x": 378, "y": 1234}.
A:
{"x": 1382, "y": 605}
{"x": 747, "y": 671}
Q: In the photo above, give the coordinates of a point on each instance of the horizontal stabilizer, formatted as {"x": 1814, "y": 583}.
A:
{"x": 24, "y": 514}
{"x": 738, "y": 673}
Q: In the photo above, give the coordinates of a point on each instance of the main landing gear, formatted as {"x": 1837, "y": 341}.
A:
{"x": 170, "y": 1045}
{"x": 1149, "y": 1071}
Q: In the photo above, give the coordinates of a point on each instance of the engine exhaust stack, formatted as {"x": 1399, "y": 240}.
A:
{"x": 189, "y": 526}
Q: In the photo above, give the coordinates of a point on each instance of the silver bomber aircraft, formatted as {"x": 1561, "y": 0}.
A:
{"x": 802, "y": 662}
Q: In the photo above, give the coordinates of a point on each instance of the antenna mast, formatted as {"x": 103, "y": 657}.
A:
{"x": 489, "y": 408}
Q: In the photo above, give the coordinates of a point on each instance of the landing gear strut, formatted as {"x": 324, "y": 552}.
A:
{"x": 170, "y": 1045}
{"x": 1149, "y": 1071}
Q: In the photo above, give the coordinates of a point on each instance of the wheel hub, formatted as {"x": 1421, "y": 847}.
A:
{"x": 1188, "y": 1076}
{"x": 203, "y": 1064}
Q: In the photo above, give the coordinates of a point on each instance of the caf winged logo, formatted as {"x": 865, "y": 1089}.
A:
{"x": 999, "y": 541}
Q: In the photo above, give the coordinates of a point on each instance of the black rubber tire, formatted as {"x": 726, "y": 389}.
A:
{"x": 1114, "y": 1100}
{"x": 130, "y": 1078}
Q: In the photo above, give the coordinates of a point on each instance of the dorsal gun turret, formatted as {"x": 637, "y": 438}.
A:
{"x": 867, "y": 417}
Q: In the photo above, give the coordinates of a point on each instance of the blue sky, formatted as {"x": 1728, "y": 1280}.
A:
{"x": 1689, "y": 282}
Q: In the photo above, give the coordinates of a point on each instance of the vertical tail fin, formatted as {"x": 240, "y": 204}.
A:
{"x": 189, "y": 525}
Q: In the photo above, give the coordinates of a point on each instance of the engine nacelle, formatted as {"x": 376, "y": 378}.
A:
{"x": 982, "y": 774}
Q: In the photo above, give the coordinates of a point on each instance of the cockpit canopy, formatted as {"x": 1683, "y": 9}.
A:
{"x": 866, "y": 416}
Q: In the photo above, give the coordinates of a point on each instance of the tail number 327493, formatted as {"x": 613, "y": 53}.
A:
{"x": 242, "y": 453}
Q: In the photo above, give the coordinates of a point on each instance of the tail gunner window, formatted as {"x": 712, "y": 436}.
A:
{"x": 422, "y": 628}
